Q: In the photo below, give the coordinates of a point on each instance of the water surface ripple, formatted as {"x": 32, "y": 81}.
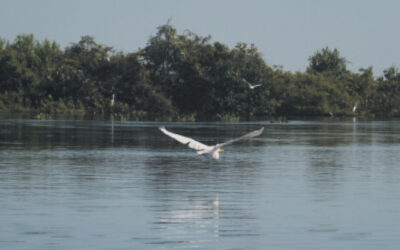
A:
{"x": 125, "y": 185}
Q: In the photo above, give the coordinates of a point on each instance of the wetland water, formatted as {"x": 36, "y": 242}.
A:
{"x": 125, "y": 185}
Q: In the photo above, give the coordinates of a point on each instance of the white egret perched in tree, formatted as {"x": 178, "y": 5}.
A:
{"x": 354, "y": 107}
{"x": 112, "y": 100}
{"x": 202, "y": 149}
{"x": 251, "y": 86}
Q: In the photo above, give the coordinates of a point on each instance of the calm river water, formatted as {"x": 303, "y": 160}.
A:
{"x": 125, "y": 185}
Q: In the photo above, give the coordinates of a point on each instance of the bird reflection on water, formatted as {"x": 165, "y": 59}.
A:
{"x": 192, "y": 204}
{"x": 191, "y": 224}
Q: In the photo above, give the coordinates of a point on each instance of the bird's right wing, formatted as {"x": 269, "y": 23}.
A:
{"x": 246, "y": 136}
{"x": 185, "y": 140}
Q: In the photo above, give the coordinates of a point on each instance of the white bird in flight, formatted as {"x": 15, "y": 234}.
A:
{"x": 202, "y": 149}
{"x": 251, "y": 86}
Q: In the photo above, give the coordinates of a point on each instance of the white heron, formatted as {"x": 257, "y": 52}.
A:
{"x": 202, "y": 149}
{"x": 251, "y": 86}
{"x": 112, "y": 100}
{"x": 355, "y": 107}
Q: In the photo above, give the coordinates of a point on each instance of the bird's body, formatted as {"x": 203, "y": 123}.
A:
{"x": 355, "y": 108}
{"x": 203, "y": 149}
{"x": 112, "y": 100}
{"x": 253, "y": 86}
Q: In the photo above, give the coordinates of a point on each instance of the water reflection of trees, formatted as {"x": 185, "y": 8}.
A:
{"x": 340, "y": 151}
{"x": 328, "y": 135}
{"x": 33, "y": 134}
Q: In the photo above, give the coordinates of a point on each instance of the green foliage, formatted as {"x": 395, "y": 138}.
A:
{"x": 328, "y": 62}
{"x": 386, "y": 98}
{"x": 183, "y": 77}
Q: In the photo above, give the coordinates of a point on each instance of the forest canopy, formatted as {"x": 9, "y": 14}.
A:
{"x": 184, "y": 77}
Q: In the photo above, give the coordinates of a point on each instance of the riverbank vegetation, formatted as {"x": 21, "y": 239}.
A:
{"x": 184, "y": 77}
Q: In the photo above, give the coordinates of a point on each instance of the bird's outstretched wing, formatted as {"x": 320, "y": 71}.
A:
{"x": 246, "y": 136}
{"x": 185, "y": 140}
{"x": 250, "y": 86}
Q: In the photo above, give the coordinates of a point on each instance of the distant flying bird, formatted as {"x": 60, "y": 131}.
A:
{"x": 202, "y": 149}
{"x": 251, "y": 86}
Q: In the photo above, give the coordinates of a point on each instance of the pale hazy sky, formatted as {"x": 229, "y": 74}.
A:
{"x": 287, "y": 32}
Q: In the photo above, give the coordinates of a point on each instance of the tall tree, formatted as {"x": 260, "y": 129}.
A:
{"x": 327, "y": 61}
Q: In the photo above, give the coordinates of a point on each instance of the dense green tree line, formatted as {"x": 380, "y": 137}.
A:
{"x": 184, "y": 77}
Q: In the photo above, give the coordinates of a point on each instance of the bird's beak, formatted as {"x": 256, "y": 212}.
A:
{"x": 220, "y": 150}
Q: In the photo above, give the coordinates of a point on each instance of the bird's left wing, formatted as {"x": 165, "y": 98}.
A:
{"x": 246, "y": 136}
{"x": 245, "y": 81}
{"x": 184, "y": 140}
